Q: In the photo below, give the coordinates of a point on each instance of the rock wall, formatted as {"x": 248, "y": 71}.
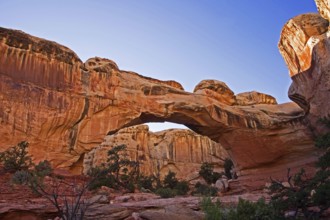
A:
{"x": 305, "y": 46}
{"x": 65, "y": 107}
{"x": 179, "y": 150}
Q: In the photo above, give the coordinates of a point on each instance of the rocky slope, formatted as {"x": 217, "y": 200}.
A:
{"x": 181, "y": 151}
{"x": 65, "y": 107}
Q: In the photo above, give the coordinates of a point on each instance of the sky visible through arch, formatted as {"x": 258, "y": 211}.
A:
{"x": 182, "y": 40}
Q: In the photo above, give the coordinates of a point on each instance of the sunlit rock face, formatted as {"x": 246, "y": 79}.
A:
{"x": 323, "y": 6}
{"x": 65, "y": 108}
{"x": 297, "y": 40}
{"x": 305, "y": 46}
{"x": 253, "y": 98}
{"x": 217, "y": 90}
{"x": 178, "y": 150}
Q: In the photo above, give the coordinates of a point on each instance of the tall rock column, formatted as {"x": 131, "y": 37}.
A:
{"x": 305, "y": 47}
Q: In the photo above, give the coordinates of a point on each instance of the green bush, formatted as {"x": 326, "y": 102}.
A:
{"x": 244, "y": 210}
{"x": 119, "y": 171}
{"x": 259, "y": 210}
{"x": 204, "y": 190}
{"x": 171, "y": 186}
{"x": 304, "y": 192}
{"x": 101, "y": 177}
{"x": 146, "y": 182}
{"x": 206, "y": 171}
{"x": 166, "y": 192}
{"x": 212, "y": 210}
{"x": 130, "y": 187}
{"x": 323, "y": 141}
{"x": 228, "y": 165}
{"x": 16, "y": 158}
{"x": 182, "y": 188}
{"x": 170, "y": 181}
{"x": 21, "y": 177}
{"x": 43, "y": 168}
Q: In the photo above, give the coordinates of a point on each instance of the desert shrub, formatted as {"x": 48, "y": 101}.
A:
{"x": 16, "y": 158}
{"x": 21, "y": 177}
{"x": 228, "y": 165}
{"x": 43, "y": 168}
{"x": 146, "y": 182}
{"x": 259, "y": 210}
{"x": 166, "y": 192}
{"x": 323, "y": 141}
{"x": 206, "y": 171}
{"x": 130, "y": 187}
{"x": 303, "y": 192}
{"x": 171, "y": 186}
{"x": 246, "y": 210}
{"x": 212, "y": 210}
{"x": 182, "y": 188}
{"x": 204, "y": 190}
{"x": 119, "y": 171}
{"x": 170, "y": 181}
{"x": 101, "y": 177}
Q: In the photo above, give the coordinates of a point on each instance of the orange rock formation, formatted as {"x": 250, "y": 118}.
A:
{"x": 179, "y": 150}
{"x": 65, "y": 107}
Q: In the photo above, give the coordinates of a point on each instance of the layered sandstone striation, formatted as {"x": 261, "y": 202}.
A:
{"x": 65, "y": 108}
{"x": 178, "y": 150}
{"x": 323, "y": 6}
{"x": 253, "y": 98}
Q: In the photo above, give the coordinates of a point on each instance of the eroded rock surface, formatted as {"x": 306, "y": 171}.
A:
{"x": 323, "y": 6}
{"x": 178, "y": 150}
{"x": 217, "y": 90}
{"x": 305, "y": 46}
{"x": 254, "y": 98}
{"x": 65, "y": 108}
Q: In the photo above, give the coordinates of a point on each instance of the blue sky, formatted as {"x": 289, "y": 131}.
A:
{"x": 183, "y": 40}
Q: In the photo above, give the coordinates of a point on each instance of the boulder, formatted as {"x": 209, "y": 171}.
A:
{"x": 222, "y": 184}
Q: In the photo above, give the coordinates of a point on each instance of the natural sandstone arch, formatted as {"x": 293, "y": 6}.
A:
{"x": 64, "y": 108}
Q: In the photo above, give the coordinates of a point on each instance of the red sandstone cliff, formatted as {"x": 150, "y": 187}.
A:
{"x": 179, "y": 150}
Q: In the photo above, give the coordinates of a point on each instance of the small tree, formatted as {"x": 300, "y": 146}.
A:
{"x": 171, "y": 186}
{"x": 16, "y": 158}
{"x": 303, "y": 192}
{"x": 67, "y": 197}
{"x": 118, "y": 171}
{"x": 208, "y": 174}
{"x": 170, "y": 181}
{"x": 228, "y": 165}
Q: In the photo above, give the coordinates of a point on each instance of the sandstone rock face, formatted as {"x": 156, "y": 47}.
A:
{"x": 65, "y": 108}
{"x": 323, "y": 6}
{"x": 298, "y": 37}
{"x": 178, "y": 150}
{"x": 305, "y": 46}
{"x": 217, "y": 90}
{"x": 253, "y": 98}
